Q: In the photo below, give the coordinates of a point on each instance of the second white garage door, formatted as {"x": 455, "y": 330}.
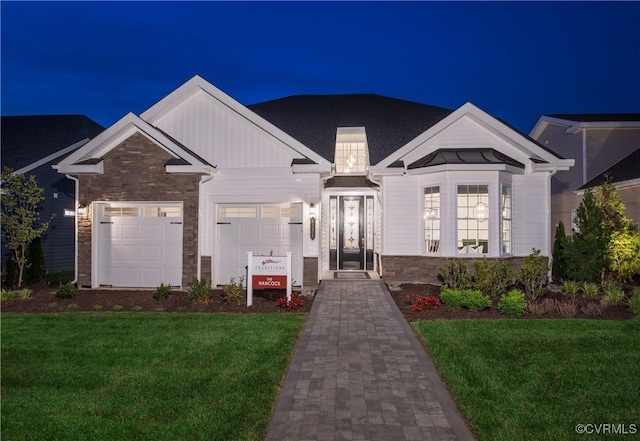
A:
{"x": 263, "y": 229}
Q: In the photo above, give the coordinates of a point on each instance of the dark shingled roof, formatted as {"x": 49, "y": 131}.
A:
{"x": 27, "y": 139}
{"x": 313, "y": 120}
{"x": 624, "y": 170}
{"x": 597, "y": 117}
{"x": 464, "y": 156}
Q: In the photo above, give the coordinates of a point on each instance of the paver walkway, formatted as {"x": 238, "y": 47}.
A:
{"x": 359, "y": 373}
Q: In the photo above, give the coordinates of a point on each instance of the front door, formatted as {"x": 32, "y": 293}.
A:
{"x": 351, "y": 244}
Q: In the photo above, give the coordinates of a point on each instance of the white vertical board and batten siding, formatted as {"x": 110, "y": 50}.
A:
{"x": 221, "y": 136}
{"x": 531, "y": 215}
{"x": 466, "y": 133}
{"x": 401, "y": 216}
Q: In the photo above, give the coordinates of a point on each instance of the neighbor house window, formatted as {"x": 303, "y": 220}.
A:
{"x": 473, "y": 214}
{"x": 505, "y": 213}
{"x": 431, "y": 217}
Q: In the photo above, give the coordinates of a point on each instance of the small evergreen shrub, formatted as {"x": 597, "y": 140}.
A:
{"x": 117, "y": 307}
{"x": 7, "y": 295}
{"x": 233, "y": 292}
{"x": 624, "y": 254}
{"x": 513, "y": 303}
{"x": 451, "y": 297}
{"x": 533, "y": 275}
{"x": 23, "y": 294}
{"x": 66, "y": 291}
{"x": 475, "y": 300}
{"x": 35, "y": 271}
{"x": 455, "y": 274}
{"x": 162, "y": 292}
{"x": 200, "y": 291}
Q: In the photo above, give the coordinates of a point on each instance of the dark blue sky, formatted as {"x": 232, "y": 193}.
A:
{"x": 515, "y": 60}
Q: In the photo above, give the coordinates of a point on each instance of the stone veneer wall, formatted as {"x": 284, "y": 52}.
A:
{"x": 135, "y": 171}
{"x": 310, "y": 272}
{"x": 425, "y": 269}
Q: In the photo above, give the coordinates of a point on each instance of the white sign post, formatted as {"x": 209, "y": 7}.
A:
{"x": 268, "y": 272}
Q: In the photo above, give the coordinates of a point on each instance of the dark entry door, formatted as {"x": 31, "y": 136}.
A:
{"x": 351, "y": 236}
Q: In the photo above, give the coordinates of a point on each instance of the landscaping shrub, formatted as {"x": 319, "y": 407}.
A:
{"x": 66, "y": 291}
{"x": 613, "y": 293}
{"x": 559, "y": 265}
{"x": 567, "y": 308}
{"x": 591, "y": 290}
{"x": 571, "y": 287}
{"x": 162, "y": 292}
{"x": 233, "y": 292}
{"x": 294, "y": 304}
{"x": 633, "y": 302}
{"x": 474, "y": 300}
{"x": 35, "y": 270}
{"x": 451, "y": 297}
{"x": 541, "y": 307}
{"x": 513, "y": 303}
{"x": 492, "y": 277}
{"x": 7, "y": 295}
{"x": 423, "y": 303}
{"x": 624, "y": 254}
{"x": 455, "y": 274}
{"x": 534, "y": 274}
{"x": 200, "y": 291}
{"x": 593, "y": 308}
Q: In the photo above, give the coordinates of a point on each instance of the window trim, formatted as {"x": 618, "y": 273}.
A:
{"x": 438, "y": 217}
{"x": 504, "y": 185}
{"x": 457, "y": 219}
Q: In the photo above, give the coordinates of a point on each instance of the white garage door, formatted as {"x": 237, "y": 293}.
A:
{"x": 139, "y": 245}
{"x": 263, "y": 229}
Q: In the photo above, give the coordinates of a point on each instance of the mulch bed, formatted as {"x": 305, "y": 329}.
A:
{"x": 619, "y": 312}
{"x": 43, "y": 300}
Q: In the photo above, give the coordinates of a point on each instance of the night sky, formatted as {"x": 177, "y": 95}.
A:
{"x": 515, "y": 60}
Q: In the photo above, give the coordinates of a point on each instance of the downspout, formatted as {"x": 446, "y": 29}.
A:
{"x": 584, "y": 156}
{"x": 75, "y": 228}
{"x": 203, "y": 180}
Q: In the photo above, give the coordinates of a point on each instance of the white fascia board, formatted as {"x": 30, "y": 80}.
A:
{"x": 386, "y": 171}
{"x": 310, "y": 168}
{"x": 560, "y": 165}
{"x": 544, "y": 121}
{"x": 51, "y": 157}
{"x": 196, "y": 83}
{"x": 73, "y": 169}
{"x": 466, "y": 167}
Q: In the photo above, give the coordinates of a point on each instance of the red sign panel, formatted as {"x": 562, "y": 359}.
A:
{"x": 269, "y": 282}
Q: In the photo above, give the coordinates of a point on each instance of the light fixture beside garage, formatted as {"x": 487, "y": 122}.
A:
{"x": 312, "y": 221}
{"x": 83, "y": 210}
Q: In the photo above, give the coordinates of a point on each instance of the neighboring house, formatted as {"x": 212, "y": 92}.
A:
{"x": 599, "y": 143}
{"x": 184, "y": 190}
{"x": 30, "y": 145}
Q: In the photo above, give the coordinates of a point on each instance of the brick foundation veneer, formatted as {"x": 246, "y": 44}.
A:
{"x": 425, "y": 269}
{"x": 310, "y": 272}
{"x": 135, "y": 171}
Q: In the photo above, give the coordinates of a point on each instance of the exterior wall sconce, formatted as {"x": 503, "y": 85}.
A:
{"x": 481, "y": 212}
{"x": 83, "y": 211}
{"x": 312, "y": 221}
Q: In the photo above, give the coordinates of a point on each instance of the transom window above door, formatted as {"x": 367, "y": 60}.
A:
{"x": 352, "y": 151}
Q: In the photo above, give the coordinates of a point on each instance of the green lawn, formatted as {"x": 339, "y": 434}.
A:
{"x": 538, "y": 379}
{"x": 136, "y": 376}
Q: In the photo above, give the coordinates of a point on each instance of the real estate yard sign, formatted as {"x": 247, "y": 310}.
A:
{"x": 268, "y": 272}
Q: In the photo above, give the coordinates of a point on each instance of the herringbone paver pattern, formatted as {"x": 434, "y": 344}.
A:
{"x": 359, "y": 373}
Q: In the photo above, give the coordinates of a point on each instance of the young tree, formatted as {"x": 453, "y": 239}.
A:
{"x": 559, "y": 266}
{"x": 585, "y": 253}
{"x": 20, "y": 218}
{"x": 613, "y": 218}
